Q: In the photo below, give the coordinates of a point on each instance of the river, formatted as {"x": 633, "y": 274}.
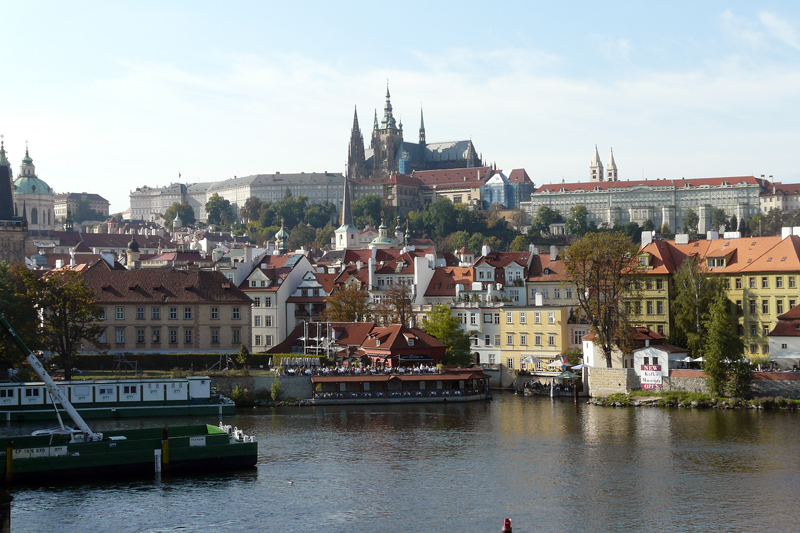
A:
{"x": 549, "y": 465}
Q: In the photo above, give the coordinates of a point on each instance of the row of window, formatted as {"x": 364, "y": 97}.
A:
{"x": 556, "y": 293}
{"x": 753, "y": 280}
{"x": 257, "y": 320}
{"x": 753, "y": 306}
{"x": 267, "y": 340}
{"x": 172, "y": 313}
{"x": 267, "y": 301}
{"x": 523, "y": 339}
{"x": 188, "y": 336}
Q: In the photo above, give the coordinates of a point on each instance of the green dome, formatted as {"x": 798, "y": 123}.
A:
{"x": 31, "y": 185}
{"x": 282, "y": 234}
{"x": 383, "y": 240}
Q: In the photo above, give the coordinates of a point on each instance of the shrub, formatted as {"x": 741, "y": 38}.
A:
{"x": 275, "y": 390}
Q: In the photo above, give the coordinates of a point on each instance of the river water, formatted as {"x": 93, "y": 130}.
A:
{"x": 549, "y": 465}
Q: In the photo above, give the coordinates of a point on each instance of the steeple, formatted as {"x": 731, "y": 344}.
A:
{"x": 3, "y": 160}
{"x": 388, "y": 122}
{"x": 27, "y": 168}
{"x": 375, "y": 123}
{"x": 347, "y": 214}
{"x": 611, "y": 170}
{"x": 355, "y": 152}
{"x": 596, "y": 167}
{"x": 421, "y": 128}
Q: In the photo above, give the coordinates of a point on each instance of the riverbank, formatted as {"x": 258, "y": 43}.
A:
{"x": 693, "y": 401}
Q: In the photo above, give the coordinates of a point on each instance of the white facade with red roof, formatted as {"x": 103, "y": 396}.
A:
{"x": 663, "y": 201}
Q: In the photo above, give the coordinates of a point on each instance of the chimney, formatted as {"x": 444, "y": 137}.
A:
{"x": 485, "y": 250}
{"x": 553, "y": 252}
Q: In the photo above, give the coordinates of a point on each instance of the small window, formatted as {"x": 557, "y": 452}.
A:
{"x": 120, "y": 313}
{"x": 173, "y": 313}
{"x": 187, "y": 313}
{"x": 236, "y": 313}
{"x": 215, "y": 313}
{"x": 155, "y": 312}
{"x": 140, "y": 313}
{"x": 509, "y": 319}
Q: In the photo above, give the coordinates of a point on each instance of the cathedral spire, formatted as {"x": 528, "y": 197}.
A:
{"x": 355, "y": 152}
{"x": 611, "y": 170}
{"x": 388, "y": 122}
{"x": 347, "y": 214}
{"x": 375, "y": 124}
{"x": 596, "y": 168}
{"x": 421, "y": 128}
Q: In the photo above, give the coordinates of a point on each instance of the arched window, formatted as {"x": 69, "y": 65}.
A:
{"x": 34, "y": 216}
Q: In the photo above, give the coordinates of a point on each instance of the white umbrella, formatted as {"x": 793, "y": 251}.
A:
{"x": 699, "y": 360}
{"x": 687, "y": 359}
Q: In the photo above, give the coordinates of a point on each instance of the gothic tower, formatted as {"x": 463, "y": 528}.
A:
{"x": 421, "y": 128}
{"x": 596, "y": 167}
{"x": 355, "y": 152}
{"x": 386, "y": 141}
{"x": 611, "y": 170}
{"x": 13, "y": 228}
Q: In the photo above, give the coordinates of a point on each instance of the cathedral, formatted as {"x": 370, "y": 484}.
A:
{"x": 389, "y": 153}
{"x": 13, "y": 228}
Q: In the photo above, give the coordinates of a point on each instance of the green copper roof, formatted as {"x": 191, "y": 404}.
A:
{"x": 31, "y": 185}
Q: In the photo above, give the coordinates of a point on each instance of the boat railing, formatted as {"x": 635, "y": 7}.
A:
{"x": 377, "y": 395}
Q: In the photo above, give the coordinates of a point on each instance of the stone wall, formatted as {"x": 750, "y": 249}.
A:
{"x": 292, "y": 387}
{"x": 607, "y": 381}
{"x": 689, "y": 384}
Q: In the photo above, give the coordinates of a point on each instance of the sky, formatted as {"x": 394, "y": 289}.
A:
{"x": 115, "y": 95}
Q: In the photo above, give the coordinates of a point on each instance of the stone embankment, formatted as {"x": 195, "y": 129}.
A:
{"x": 692, "y": 403}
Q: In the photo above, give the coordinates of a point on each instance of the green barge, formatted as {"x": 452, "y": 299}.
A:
{"x": 66, "y": 452}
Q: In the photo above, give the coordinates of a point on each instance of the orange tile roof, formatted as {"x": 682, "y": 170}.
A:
{"x": 445, "y": 279}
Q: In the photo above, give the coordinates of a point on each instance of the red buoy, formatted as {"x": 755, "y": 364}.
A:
{"x": 507, "y": 525}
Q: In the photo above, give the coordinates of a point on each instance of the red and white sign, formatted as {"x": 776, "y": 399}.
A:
{"x": 651, "y": 376}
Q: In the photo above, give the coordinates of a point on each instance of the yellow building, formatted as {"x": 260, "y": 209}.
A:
{"x": 761, "y": 275}
{"x": 538, "y": 331}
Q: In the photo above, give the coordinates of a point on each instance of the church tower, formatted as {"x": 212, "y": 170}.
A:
{"x": 596, "y": 167}
{"x": 355, "y": 152}
{"x": 346, "y": 235}
{"x": 421, "y": 129}
{"x": 611, "y": 170}
{"x": 386, "y": 141}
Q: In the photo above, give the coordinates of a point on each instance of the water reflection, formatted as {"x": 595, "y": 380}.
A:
{"x": 550, "y": 465}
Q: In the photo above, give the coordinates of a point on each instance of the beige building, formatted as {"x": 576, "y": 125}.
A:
{"x": 167, "y": 310}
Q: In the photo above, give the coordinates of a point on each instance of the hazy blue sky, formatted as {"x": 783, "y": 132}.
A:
{"x": 115, "y": 95}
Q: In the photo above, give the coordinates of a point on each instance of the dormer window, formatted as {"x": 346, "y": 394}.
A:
{"x": 715, "y": 262}
{"x": 411, "y": 342}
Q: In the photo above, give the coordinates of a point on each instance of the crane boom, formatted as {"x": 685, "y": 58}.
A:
{"x": 52, "y": 388}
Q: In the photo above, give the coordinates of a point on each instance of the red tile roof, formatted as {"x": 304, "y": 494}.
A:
{"x": 677, "y": 183}
{"x": 161, "y": 286}
{"x": 445, "y": 279}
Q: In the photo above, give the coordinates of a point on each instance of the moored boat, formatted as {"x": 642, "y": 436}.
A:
{"x": 191, "y": 396}
{"x": 67, "y": 452}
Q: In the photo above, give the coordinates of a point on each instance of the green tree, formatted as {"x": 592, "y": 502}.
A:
{"x": 324, "y": 235}
{"x": 220, "y": 211}
{"x": 633, "y": 231}
{"x": 722, "y": 348}
{"x": 695, "y": 290}
{"x": 718, "y": 220}
{"x": 577, "y": 223}
{"x": 318, "y": 215}
{"x": 250, "y": 210}
{"x": 85, "y": 212}
{"x": 774, "y": 221}
{"x": 690, "y": 222}
{"x": 734, "y": 224}
{"x": 519, "y": 218}
{"x": 519, "y": 244}
{"x": 184, "y": 210}
{"x": 665, "y": 229}
{"x": 347, "y": 305}
{"x": 301, "y": 235}
{"x": 444, "y": 327}
{"x": 540, "y": 223}
{"x": 601, "y": 265}
{"x": 648, "y": 225}
{"x": 475, "y": 243}
{"x": 367, "y": 211}
{"x": 70, "y": 315}
{"x": 19, "y": 308}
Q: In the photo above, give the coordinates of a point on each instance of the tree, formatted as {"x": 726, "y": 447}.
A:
{"x": 718, "y": 219}
{"x": 722, "y": 348}
{"x": 84, "y": 211}
{"x": 444, "y": 327}
{"x": 633, "y": 231}
{"x": 545, "y": 215}
{"x": 734, "y": 223}
{"x": 601, "y": 265}
{"x": 648, "y": 225}
{"x": 70, "y": 315}
{"x": 301, "y": 235}
{"x": 399, "y": 297}
{"x": 324, "y": 235}
{"x": 690, "y": 222}
{"x": 519, "y": 244}
{"x": 184, "y": 210}
{"x": 577, "y": 223}
{"x": 519, "y": 218}
{"x": 665, "y": 229}
{"x": 348, "y": 304}
{"x": 367, "y": 211}
{"x": 219, "y": 211}
{"x": 250, "y": 210}
{"x": 17, "y": 305}
{"x": 695, "y": 291}
{"x": 318, "y": 215}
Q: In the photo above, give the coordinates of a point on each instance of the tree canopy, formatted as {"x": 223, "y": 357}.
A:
{"x": 184, "y": 210}
{"x": 444, "y": 327}
{"x": 17, "y": 305}
{"x": 220, "y": 211}
{"x": 601, "y": 266}
{"x": 695, "y": 290}
{"x": 347, "y": 305}
{"x": 722, "y": 350}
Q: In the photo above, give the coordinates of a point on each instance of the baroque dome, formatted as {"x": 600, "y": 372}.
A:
{"x": 31, "y": 185}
